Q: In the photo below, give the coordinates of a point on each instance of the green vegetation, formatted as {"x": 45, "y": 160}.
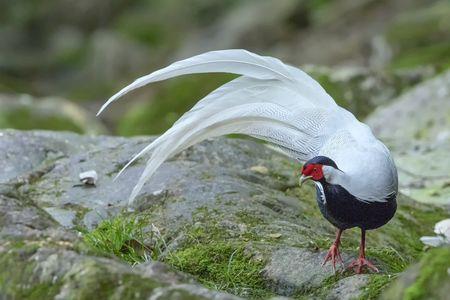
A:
{"x": 214, "y": 261}
{"x": 393, "y": 247}
{"x": 12, "y": 283}
{"x": 433, "y": 273}
{"x": 220, "y": 258}
{"x": 219, "y": 261}
{"x": 376, "y": 285}
{"x": 223, "y": 266}
{"x": 87, "y": 278}
{"x": 123, "y": 237}
{"x": 25, "y": 119}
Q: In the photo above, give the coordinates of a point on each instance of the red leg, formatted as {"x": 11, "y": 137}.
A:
{"x": 333, "y": 253}
{"x": 359, "y": 263}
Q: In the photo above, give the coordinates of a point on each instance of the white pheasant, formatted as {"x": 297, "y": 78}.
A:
{"x": 355, "y": 176}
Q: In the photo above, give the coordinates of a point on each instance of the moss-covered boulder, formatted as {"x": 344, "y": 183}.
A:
{"x": 25, "y": 112}
{"x": 226, "y": 212}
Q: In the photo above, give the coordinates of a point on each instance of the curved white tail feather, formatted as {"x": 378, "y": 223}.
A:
{"x": 270, "y": 101}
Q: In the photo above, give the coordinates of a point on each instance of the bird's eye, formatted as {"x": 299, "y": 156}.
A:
{"x": 315, "y": 169}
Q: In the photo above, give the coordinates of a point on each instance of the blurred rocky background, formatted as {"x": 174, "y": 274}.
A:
{"x": 224, "y": 219}
{"x": 364, "y": 52}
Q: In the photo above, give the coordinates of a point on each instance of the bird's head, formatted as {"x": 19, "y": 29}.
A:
{"x": 319, "y": 168}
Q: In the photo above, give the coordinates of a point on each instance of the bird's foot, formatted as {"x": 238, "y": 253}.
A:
{"x": 333, "y": 255}
{"x": 361, "y": 262}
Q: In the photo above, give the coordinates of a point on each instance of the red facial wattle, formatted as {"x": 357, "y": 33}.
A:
{"x": 313, "y": 170}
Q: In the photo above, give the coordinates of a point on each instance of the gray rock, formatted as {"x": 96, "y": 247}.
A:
{"x": 65, "y": 274}
{"x": 292, "y": 270}
{"x": 62, "y": 216}
{"x": 224, "y": 203}
{"x": 420, "y": 114}
{"x": 349, "y": 288}
{"x": 416, "y": 126}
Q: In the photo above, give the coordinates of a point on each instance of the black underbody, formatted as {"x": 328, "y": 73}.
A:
{"x": 345, "y": 211}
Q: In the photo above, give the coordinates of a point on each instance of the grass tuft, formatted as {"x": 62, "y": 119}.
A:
{"x": 376, "y": 285}
{"x": 124, "y": 237}
{"x": 222, "y": 266}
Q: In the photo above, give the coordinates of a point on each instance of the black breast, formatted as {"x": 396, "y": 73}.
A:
{"x": 344, "y": 211}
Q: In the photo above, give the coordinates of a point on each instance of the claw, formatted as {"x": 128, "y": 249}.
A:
{"x": 333, "y": 255}
{"x": 361, "y": 262}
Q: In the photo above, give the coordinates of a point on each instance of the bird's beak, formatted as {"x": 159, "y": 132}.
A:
{"x": 304, "y": 178}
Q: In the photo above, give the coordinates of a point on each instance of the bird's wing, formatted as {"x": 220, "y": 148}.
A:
{"x": 270, "y": 101}
{"x": 369, "y": 172}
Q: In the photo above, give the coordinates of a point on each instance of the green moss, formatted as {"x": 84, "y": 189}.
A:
{"x": 21, "y": 283}
{"x": 220, "y": 257}
{"x": 40, "y": 291}
{"x": 170, "y": 102}
{"x": 222, "y": 265}
{"x": 390, "y": 258}
{"x": 211, "y": 253}
{"x": 90, "y": 279}
{"x": 249, "y": 218}
{"x": 377, "y": 283}
{"x": 392, "y": 247}
{"x": 123, "y": 237}
{"x": 433, "y": 276}
{"x": 205, "y": 228}
{"x": 87, "y": 278}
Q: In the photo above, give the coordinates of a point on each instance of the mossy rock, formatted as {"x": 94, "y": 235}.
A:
{"x": 429, "y": 279}
{"x": 226, "y": 211}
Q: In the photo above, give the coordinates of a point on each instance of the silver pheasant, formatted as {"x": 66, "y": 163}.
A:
{"x": 354, "y": 173}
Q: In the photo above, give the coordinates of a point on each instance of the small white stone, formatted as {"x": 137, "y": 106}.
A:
{"x": 442, "y": 229}
{"x": 433, "y": 241}
{"x": 157, "y": 193}
{"x": 89, "y": 177}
